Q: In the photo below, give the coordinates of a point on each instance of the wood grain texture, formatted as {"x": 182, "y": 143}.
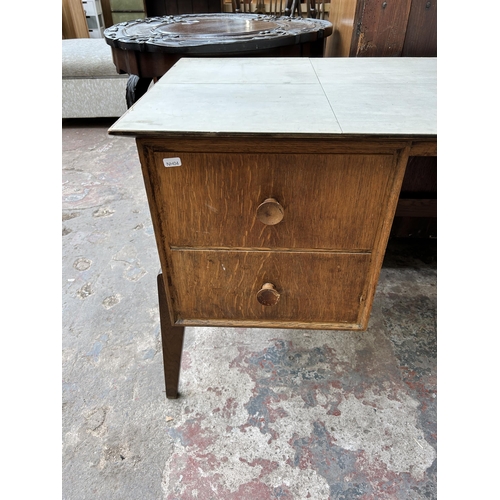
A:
{"x": 217, "y": 255}
{"x": 421, "y": 32}
{"x": 330, "y": 201}
{"x": 313, "y": 287}
{"x": 341, "y": 15}
{"x": 74, "y": 23}
{"x": 380, "y": 28}
{"x": 385, "y": 229}
{"x": 361, "y": 27}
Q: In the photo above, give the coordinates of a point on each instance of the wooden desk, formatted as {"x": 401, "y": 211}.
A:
{"x": 272, "y": 185}
{"x": 147, "y": 48}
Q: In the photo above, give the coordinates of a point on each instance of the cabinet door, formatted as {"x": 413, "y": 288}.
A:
{"x": 421, "y": 32}
{"x": 329, "y": 201}
{"x": 390, "y": 28}
{"x": 380, "y": 28}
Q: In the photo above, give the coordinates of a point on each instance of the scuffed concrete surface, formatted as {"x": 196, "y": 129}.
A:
{"x": 263, "y": 413}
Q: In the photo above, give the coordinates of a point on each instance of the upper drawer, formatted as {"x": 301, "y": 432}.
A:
{"x": 327, "y": 201}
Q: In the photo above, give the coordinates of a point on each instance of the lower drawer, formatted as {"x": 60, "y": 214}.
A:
{"x": 310, "y": 289}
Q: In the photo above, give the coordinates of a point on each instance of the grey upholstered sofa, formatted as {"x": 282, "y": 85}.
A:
{"x": 91, "y": 87}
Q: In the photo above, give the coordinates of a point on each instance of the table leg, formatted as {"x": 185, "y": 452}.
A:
{"x": 136, "y": 88}
{"x": 171, "y": 339}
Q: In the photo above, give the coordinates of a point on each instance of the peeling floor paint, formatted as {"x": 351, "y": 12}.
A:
{"x": 279, "y": 418}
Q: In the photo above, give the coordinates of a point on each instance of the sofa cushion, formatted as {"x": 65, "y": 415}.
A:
{"x": 87, "y": 58}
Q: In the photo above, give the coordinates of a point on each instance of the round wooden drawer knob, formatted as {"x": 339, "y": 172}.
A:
{"x": 270, "y": 212}
{"x": 268, "y": 295}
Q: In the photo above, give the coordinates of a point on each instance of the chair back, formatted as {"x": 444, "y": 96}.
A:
{"x": 294, "y": 8}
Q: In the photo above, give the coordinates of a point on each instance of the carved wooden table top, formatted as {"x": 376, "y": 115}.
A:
{"x": 211, "y": 34}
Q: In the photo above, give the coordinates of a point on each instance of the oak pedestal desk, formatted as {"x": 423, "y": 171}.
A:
{"x": 272, "y": 185}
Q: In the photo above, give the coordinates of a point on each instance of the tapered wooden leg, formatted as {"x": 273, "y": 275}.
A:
{"x": 171, "y": 340}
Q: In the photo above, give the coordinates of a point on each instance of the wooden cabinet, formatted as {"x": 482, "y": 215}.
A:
{"x": 335, "y": 204}
{"x": 74, "y": 24}
{"x": 386, "y": 28}
{"x": 421, "y": 31}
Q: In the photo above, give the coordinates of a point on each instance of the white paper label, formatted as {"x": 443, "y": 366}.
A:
{"x": 172, "y": 162}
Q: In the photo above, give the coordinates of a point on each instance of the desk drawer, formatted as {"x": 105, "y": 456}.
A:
{"x": 318, "y": 287}
{"x": 328, "y": 201}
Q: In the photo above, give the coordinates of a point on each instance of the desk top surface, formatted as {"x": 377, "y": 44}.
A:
{"x": 289, "y": 97}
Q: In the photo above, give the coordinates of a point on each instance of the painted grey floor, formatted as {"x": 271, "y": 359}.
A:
{"x": 263, "y": 414}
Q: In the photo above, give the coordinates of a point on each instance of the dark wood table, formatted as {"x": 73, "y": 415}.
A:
{"x": 147, "y": 48}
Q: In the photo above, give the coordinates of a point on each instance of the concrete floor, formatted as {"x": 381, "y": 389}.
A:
{"x": 263, "y": 414}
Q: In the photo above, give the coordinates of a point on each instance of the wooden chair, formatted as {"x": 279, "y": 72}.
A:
{"x": 299, "y": 8}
